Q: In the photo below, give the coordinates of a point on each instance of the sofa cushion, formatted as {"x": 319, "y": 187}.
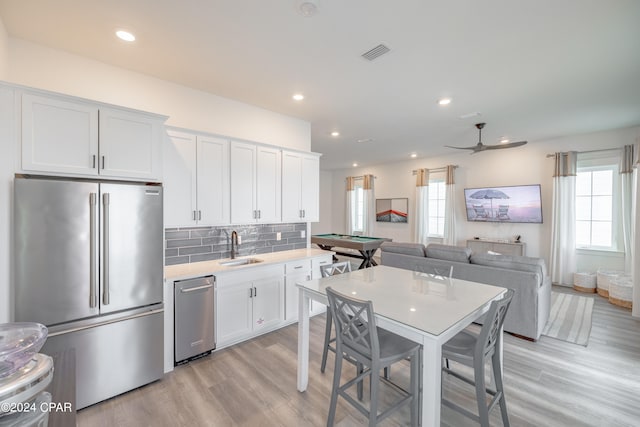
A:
{"x": 415, "y": 249}
{"x": 512, "y": 262}
{"x": 448, "y": 253}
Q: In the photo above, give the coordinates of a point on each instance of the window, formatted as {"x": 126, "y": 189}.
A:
{"x": 357, "y": 206}
{"x": 437, "y": 192}
{"x": 596, "y": 207}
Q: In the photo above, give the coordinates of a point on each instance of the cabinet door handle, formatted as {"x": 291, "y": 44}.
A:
{"x": 259, "y": 214}
{"x": 250, "y": 292}
{"x": 300, "y": 213}
{"x": 193, "y": 215}
{"x": 255, "y": 291}
{"x": 298, "y": 267}
{"x": 254, "y": 215}
{"x": 102, "y": 162}
{"x": 94, "y": 162}
{"x": 304, "y": 213}
{"x": 199, "y": 215}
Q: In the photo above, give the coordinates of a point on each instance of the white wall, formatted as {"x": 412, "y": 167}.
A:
{"x": 4, "y": 51}
{"x": 187, "y": 108}
{"x": 326, "y": 205}
{"x": 518, "y": 166}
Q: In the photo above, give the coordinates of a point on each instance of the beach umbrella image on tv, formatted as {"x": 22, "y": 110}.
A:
{"x": 490, "y": 194}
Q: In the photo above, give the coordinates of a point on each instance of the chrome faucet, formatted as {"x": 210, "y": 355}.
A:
{"x": 234, "y": 243}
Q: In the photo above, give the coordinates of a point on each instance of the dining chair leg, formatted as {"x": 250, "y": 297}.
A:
{"x": 497, "y": 374}
{"x": 481, "y": 393}
{"x": 374, "y": 383}
{"x": 360, "y": 385}
{"x": 334, "y": 391}
{"x": 327, "y": 339}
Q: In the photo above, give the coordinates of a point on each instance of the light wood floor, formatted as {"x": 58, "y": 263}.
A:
{"x": 548, "y": 383}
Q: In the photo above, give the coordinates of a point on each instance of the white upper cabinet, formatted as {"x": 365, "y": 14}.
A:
{"x": 129, "y": 145}
{"x": 59, "y": 136}
{"x": 63, "y": 136}
{"x": 268, "y": 184}
{"x": 213, "y": 181}
{"x": 300, "y": 187}
{"x": 255, "y": 184}
{"x": 196, "y": 180}
{"x": 180, "y": 174}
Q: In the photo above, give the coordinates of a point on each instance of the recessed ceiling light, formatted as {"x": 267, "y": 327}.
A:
{"x": 308, "y": 8}
{"x": 504, "y": 140}
{"x": 298, "y": 97}
{"x": 444, "y": 101}
{"x": 414, "y": 155}
{"x": 355, "y": 165}
{"x": 335, "y": 133}
{"x": 125, "y": 35}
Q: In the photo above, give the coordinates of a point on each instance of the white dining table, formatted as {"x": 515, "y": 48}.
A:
{"x": 424, "y": 308}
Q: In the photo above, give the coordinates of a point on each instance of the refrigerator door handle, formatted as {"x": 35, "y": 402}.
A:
{"x": 92, "y": 251}
{"x": 105, "y": 249}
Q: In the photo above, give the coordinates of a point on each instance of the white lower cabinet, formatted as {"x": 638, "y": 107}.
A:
{"x": 255, "y": 300}
{"x": 249, "y": 302}
{"x": 295, "y": 271}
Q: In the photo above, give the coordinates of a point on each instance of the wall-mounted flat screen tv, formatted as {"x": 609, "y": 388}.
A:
{"x": 519, "y": 203}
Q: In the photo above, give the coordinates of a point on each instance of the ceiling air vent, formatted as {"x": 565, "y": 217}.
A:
{"x": 376, "y": 52}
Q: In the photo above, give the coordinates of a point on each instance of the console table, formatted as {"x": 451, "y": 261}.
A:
{"x": 504, "y": 248}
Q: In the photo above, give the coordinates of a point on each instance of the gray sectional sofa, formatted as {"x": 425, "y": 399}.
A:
{"x": 527, "y": 276}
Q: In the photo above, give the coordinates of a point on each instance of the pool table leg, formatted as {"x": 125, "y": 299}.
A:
{"x": 367, "y": 259}
{"x": 328, "y": 248}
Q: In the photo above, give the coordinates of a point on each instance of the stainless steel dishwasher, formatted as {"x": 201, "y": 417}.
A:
{"x": 194, "y": 302}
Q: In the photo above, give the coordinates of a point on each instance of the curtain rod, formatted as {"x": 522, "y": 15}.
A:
{"x": 592, "y": 151}
{"x": 442, "y": 169}
{"x": 361, "y": 176}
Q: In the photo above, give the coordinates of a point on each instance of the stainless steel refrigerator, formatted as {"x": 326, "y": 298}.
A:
{"x": 89, "y": 265}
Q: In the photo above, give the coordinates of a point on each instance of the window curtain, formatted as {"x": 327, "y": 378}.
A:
{"x": 450, "y": 208}
{"x": 369, "y": 205}
{"x": 350, "y": 203}
{"x": 563, "y": 225}
{"x": 626, "y": 197}
{"x": 422, "y": 206}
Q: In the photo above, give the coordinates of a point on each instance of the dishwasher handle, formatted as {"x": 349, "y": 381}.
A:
{"x": 197, "y": 288}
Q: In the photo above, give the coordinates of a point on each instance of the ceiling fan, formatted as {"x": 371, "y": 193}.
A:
{"x": 481, "y": 147}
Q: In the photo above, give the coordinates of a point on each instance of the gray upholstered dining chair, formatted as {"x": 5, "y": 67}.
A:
{"x": 440, "y": 272}
{"x": 326, "y": 271}
{"x": 473, "y": 349}
{"x": 373, "y": 349}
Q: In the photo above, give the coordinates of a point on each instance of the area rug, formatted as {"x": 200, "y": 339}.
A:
{"x": 570, "y": 318}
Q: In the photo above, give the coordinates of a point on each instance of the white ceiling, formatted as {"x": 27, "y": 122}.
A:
{"x": 533, "y": 69}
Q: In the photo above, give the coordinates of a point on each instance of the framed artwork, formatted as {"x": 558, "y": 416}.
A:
{"x": 392, "y": 210}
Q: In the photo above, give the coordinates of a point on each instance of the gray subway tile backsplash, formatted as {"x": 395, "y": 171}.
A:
{"x": 195, "y": 244}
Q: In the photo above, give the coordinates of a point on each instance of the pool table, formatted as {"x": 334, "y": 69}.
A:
{"x": 367, "y": 246}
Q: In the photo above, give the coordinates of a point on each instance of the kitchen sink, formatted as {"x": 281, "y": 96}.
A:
{"x": 243, "y": 261}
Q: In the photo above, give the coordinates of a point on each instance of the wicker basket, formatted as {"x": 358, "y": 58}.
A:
{"x": 604, "y": 278}
{"x": 621, "y": 291}
{"x": 584, "y": 282}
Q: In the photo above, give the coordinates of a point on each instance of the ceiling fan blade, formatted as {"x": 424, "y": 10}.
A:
{"x": 462, "y": 148}
{"x": 501, "y": 146}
